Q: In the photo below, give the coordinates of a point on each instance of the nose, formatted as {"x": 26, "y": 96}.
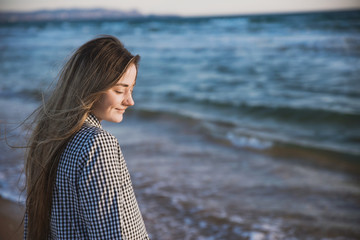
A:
{"x": 129, "y": 101}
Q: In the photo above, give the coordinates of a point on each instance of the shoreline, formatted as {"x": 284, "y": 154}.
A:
{"x": 316, "y": 155}
{"x": 329, "y": 160}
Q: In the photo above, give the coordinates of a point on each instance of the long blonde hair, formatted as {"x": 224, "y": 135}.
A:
{"x": 94, "y": 68}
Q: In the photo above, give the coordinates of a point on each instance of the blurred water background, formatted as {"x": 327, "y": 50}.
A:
{"x": 281, "y": 86}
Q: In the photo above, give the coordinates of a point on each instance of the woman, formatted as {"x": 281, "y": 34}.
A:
{"x": 78, "y": 185}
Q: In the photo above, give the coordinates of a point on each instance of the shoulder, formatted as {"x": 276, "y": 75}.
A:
{"x": 100, "y": 153}
{"x": 94, "y": 148}
{"x": 97, "y": 136}
{"x": 92, "y": 138}
{"x": 91, "y": 147}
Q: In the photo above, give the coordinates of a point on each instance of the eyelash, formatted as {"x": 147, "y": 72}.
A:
{"x": 120, "y": 92}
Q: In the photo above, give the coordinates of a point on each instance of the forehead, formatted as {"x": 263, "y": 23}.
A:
{"x": 129, "y": 77}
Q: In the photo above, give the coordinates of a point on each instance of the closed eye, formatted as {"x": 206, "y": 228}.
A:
{"x": 119, "y": 92}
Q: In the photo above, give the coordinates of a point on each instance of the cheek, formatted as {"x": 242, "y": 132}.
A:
{"x": 102, "y": 104}
{"x": 107, "y": 104}
{"x": 112, "y": 101}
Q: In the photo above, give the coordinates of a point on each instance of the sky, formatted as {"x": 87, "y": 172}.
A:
{"x": 186, "y": 7}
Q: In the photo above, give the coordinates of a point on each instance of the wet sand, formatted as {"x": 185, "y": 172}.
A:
{"x": 190, "y": 187}
{"x": 11, "y": 215}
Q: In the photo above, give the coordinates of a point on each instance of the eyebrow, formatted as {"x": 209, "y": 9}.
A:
{"x": 124, "y": 85}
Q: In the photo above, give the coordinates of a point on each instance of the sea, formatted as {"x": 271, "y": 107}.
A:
{"x": 254, "y": 86}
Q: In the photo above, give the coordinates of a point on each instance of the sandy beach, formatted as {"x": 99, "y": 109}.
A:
{"x": 11, "y": 215}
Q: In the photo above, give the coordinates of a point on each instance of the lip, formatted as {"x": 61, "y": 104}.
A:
{"x": 120, "y": 110}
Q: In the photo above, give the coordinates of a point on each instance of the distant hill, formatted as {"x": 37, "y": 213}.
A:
{"x": 68, "y": 14}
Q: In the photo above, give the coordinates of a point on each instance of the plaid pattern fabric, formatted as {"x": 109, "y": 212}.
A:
{"x": 93, "y": 197}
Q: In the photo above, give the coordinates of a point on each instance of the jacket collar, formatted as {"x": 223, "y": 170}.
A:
{"x": 92, "y": 120}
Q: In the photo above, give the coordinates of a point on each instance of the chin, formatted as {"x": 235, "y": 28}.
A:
{"x": 118, "y": 119}
{"x": 114, "y": 117}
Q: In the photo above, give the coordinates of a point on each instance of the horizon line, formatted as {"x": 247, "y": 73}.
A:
{"x": 182, "y": 15}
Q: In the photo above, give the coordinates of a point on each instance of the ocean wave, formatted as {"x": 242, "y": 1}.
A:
{"x": 253, "y": 134}
{"x": 248, "y": 142}
{"x": 301, "y": 115}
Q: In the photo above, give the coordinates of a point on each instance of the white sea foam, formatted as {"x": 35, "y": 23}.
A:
{"x": 251, "y": 142}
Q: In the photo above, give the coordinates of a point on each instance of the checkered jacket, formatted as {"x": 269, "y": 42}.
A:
{"x": 93, "y": 197}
